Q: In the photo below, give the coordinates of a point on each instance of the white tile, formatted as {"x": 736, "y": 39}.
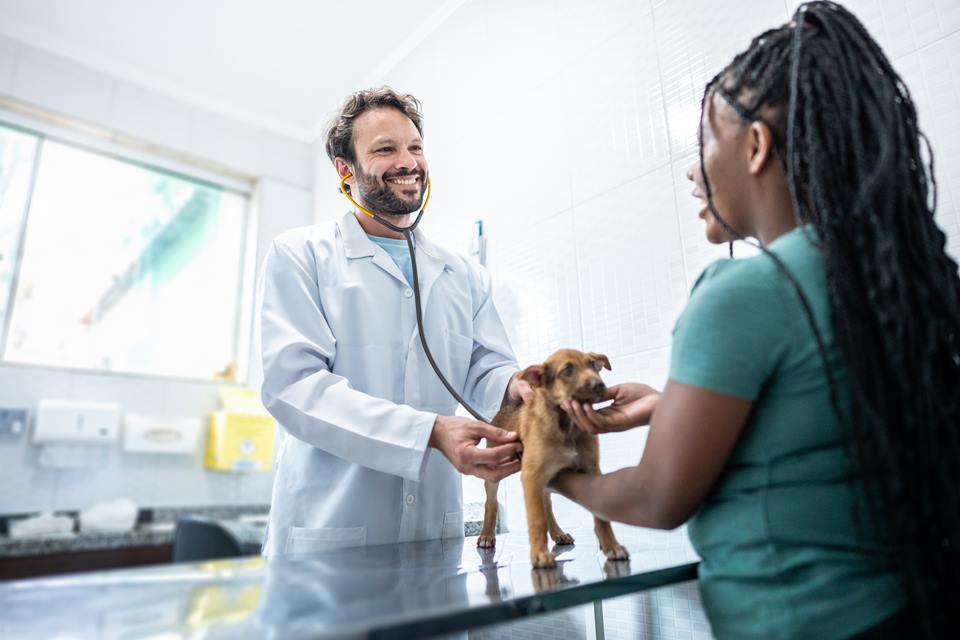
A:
{"x": 185, "y": 399}
{"x": 630, "y": 266}
{"x": 588, "y": 24}
{"x": 903, "y": 26}
{"x": 452, "y": 67}
{"x": 80, "y": 488}
{"x": 933, "y": 77}
{"x": 650, "y": 367}
{"x": 925, "y": 21}
{"x": 27, "y": 487}
{"x": 24, "y": 386}
{"x": 63, "y": 86}
{"x": 697, "y": 251}
{"x": 131, "y": 393}
{"x": 535, "y": 286}
{"x": 695, "y": 41}
{"x": 528, "y": 160}
{"x": 616, "y": 122}
{"x": 525, "y": 41}
{"x": 949, "y": 12}
{"x": 198, "y": 488}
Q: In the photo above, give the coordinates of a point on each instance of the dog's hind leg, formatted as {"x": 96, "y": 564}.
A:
{"x": 590, "y": 463}
{"x": 608, "y": 542}
{"x": 558, "y": 535}
{"x": 488, "y": 533}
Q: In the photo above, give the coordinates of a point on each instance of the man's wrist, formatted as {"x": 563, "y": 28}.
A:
{"x": 434, "y": 440}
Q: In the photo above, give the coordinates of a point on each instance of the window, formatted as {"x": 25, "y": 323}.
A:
{"x": 120, "y": 266}
{"x": 18, "y": 151}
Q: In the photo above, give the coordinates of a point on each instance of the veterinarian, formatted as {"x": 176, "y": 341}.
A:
{"x": 368, "y": 450}
{"x": 809, "y": 426}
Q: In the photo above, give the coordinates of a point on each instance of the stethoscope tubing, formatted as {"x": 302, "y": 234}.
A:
{"x": 408, "y": 235}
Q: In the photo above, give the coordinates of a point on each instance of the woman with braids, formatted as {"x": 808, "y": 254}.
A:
{"x": 810, "y": 428}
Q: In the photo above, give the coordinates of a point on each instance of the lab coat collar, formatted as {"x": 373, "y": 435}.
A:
{"x": 357, "y": 244}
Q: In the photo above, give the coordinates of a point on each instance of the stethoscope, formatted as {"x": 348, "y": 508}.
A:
{"x": 408, "y": 235}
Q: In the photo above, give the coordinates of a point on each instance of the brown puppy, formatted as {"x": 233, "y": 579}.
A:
{"x": 552, "y": 443}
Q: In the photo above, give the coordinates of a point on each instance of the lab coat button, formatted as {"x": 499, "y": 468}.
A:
{"x": 408, "y": 292}
{"x": 410, "y": 499}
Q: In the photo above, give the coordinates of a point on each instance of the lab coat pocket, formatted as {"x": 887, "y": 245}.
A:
{"x": 306, "y": 540}
{"x": 452, "y": 525}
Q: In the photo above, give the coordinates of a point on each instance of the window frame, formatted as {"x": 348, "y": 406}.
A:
{"x": 47, "y": 126}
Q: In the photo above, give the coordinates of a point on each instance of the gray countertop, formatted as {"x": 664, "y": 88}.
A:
{"x": 247, "y": 523}
{"x": 401, "y": 590}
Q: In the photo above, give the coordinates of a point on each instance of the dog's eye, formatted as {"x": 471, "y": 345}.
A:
{"x": 567, "y": 370}
{"x": 594, "y": 365}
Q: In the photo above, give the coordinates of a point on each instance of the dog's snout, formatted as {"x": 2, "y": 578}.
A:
{"x": 598, "y": 387}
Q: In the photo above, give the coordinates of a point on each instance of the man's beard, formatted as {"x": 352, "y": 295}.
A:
{"x": 381, "y": 198}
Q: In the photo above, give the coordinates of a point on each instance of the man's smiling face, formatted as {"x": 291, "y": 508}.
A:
{"x": 391, "y": 169}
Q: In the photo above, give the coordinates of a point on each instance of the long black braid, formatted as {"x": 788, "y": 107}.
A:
{"x": 845, "y": 130}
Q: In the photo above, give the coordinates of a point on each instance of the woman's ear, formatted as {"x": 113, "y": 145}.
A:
{"x": 760, "y": 149}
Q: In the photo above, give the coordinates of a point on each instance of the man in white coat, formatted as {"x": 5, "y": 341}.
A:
{"x": 368, "y": 450}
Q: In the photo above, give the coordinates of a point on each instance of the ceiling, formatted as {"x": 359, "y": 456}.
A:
{"x": 279, "y": 64}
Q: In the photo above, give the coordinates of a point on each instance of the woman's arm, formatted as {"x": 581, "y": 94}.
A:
{"x": 691, "y": 436}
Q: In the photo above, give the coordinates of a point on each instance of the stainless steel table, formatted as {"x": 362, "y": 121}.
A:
{"x": 391, "y": 591}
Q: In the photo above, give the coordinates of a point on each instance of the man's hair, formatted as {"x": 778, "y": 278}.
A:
{"x": 340, "y": 129}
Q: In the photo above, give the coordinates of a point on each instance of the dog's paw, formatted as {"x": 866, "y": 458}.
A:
{"x": 487, "y": 542}
{"x": 542, "y": 559}
{"x": 563, "y": 538}
{"x": 617, "y": 552}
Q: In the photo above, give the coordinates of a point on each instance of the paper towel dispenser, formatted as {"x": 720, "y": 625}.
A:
{"x": 81, "y": 422}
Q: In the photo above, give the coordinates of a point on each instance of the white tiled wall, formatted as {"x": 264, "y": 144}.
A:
{"x": 568, "y": 127}
{"x": 283, "y": 199}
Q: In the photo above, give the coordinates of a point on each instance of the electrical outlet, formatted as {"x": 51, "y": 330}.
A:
{"x": 13, "y": 423}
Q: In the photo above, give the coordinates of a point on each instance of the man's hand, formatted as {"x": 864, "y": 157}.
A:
{"x": 633, "y": 405}
{"x": 458, "y": 439}
{"x": 518, "y": 390}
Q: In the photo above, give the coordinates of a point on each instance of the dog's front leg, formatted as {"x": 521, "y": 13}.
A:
{"x": 533, "y": 478}
{"x": 488, "y": 533}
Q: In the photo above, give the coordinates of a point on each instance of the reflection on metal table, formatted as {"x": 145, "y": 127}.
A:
{"x": 390, "y": 591}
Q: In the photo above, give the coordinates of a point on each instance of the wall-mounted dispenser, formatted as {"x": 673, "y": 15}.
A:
{"x": 75, "y": 435}
{"x": 63, "y": 421}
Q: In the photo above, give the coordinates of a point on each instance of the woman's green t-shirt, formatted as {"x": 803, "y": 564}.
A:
{"x": 786, "y": 545}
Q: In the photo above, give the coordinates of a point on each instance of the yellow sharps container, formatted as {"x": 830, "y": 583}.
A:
{"x": 241, "y": 434}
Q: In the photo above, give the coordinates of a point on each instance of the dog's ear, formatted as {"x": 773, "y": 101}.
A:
{"x": 533, "y": 375}
{"x": 600, "y": 360}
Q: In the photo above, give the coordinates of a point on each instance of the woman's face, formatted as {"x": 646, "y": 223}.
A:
{"x": 726, "y": 168}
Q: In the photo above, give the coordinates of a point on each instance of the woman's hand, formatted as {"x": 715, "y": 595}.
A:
{"x": 633, "y": 406}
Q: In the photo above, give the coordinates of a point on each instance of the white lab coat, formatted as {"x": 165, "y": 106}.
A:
{"x": 347, "y": 380}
